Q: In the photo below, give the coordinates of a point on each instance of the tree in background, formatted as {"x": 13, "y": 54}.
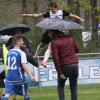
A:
{"x": 94, "y": 13}
{"x": 24, "y": 10}
{"x": 12, "y": 9}
{"x": 90, "y": 11}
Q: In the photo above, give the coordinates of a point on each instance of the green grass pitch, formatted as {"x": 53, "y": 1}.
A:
{"x": 85, "y": 92}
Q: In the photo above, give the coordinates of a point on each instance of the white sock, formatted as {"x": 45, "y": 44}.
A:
{"x": 38, "y": 51}
{"x": 47, "y": 55}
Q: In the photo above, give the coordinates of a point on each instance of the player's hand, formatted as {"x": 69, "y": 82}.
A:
{"x": 82, "y": 20}
{"x": 44, "y": 63}
{"x": 35, "y": 57}
{"x": 63, "y": 76}
{"x": 24, "y": 14}
{"x": 32, "y": 79}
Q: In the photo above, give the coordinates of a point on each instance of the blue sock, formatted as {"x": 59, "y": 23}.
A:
{"x": 5, "y": 98}
{"x": 27, "y": 98}
{"x": 1, "y": 98}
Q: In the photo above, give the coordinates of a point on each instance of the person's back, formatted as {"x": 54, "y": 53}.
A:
{"x": 15, "y": 68}
{"x": 17, "y": 64}
{"x": 67, "y": 49}
{"x": 64, "y": 51}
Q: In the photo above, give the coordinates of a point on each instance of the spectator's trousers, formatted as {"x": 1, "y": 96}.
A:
{"x": 71, "y": 72}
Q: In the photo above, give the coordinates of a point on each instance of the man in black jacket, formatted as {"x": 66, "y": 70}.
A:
{"x": 25, "y": 48}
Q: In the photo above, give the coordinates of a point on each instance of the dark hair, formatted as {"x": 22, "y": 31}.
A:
{"x": 15, "y": 39}
{"x": 55, "y": 34}
{"x": 55, "y": 31}
{"x": 53, "y": 4}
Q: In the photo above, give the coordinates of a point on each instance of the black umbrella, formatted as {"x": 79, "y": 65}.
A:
{"x": 12, "y": 28}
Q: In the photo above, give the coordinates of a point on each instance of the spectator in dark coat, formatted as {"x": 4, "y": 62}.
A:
{"x": 25, "y": 48}
{"x": 64, "y": 49}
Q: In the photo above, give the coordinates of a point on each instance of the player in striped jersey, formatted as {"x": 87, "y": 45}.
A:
{"x": 15, "y": 82}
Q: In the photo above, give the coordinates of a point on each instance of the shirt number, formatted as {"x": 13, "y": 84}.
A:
{"x": 12, "y": 63}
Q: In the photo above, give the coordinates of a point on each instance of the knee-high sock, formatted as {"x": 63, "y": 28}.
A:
{"x": 26, "y": 97}
{"x": 47, "y": 55}
{"x": 5, "y": 98}
{"x": 38, "y": 51}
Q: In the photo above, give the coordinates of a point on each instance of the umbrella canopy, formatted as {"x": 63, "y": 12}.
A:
{"x": 12, "y": 28}
{"x": 57, "y": 24}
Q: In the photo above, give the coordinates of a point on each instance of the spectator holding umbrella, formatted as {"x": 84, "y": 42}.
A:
{"x": 18, "y": 29}
{"x": 25, "y": 48}
{"x": 64, "y": 49}
{"x": 54, "y": 12}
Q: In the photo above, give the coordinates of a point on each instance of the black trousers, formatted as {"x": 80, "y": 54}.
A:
{"x": 71, "y": 72}
{"x": 2, "y": 77}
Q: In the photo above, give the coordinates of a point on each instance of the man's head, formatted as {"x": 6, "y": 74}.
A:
{"x": 18, "y": 41}
{"x": 53, "y": 8}
{"x": 54, "y": 33}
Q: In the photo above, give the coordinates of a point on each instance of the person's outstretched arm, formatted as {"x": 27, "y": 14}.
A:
{"x": 33, "y": 15}
{"x": 76, "y": 17}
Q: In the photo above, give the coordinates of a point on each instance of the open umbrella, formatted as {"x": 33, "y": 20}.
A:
{"x": 11, "y": 28}
{"x": 57, "y": 24}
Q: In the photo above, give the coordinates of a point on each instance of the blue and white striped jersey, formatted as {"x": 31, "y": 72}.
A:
{"x": 15, "y": 59}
